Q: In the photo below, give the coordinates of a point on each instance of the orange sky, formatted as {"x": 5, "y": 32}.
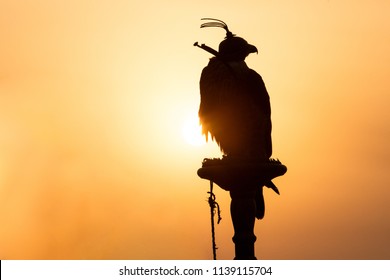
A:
{"x": 93, "y": 97}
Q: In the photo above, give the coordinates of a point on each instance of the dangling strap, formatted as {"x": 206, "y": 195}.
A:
{"x": 213, "y": 204}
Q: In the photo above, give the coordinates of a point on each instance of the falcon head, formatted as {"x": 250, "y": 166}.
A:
{"x": 235, "y": 49}
{"x": 232, "y": 48}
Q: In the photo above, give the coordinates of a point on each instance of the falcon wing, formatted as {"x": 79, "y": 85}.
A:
{"x": 235, "y": 109}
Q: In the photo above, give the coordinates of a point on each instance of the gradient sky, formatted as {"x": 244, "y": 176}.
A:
{"x": 94, "y": 96}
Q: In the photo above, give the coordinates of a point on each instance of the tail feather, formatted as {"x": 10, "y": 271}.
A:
{"x": 272, "y": 186}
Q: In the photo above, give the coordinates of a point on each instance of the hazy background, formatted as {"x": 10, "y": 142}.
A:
{"x": 94, "y": 96}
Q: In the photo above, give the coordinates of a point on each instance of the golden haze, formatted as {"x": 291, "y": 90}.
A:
{"x": 92, "y": 100}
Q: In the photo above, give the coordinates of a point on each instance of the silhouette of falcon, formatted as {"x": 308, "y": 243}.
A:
{"x": 234, "y": 107}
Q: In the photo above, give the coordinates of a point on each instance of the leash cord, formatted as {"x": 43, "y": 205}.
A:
{"x": 213, "y": 205}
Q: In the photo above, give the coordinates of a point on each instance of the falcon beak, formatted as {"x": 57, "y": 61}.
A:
{"x": 252, "y": 49}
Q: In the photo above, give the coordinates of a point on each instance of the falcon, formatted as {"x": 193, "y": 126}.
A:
{"x": 234, "y": 106}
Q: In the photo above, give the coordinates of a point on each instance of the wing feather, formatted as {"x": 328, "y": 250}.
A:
{"x": 235, "y": 109}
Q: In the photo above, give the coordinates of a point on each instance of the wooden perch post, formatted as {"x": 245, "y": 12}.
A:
{"x": 241, "y": 178}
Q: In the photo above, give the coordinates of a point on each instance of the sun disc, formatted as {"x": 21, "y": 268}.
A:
{"x": 192, "y": 132}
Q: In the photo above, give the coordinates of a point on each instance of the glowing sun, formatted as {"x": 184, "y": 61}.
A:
{"x": 192, "y": 132}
